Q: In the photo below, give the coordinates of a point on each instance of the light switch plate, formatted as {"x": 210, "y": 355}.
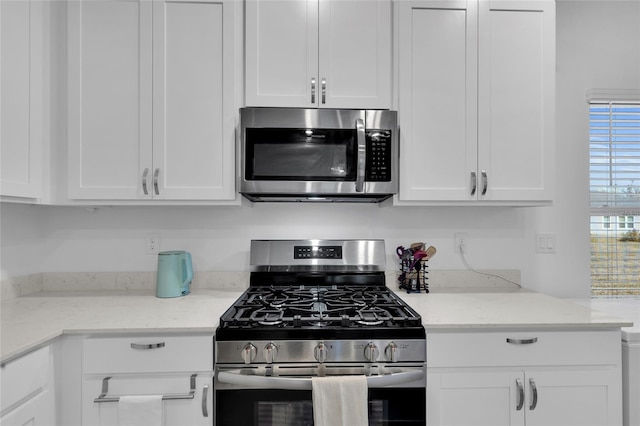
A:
{"x": 545, "y": 243}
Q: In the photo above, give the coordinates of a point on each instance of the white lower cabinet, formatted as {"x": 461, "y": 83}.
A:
{"x": 178, "y": 367}
{"x": 534, "y": 380}
{"x": 28, "y": 392}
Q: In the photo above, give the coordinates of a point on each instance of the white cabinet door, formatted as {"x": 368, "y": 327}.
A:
{"x": 475, "y": 398}
{"x": 437, "y": 92}
{"x": 176, "y": 412}
{"x": 574, "y": 398}
{"x": 37, "y": 411}
{"x": 151, "y": 100}
{"x": 327, "y": 54}
{"x": 516, "y": 99}
{"x": 27, "y": 395}
{"x": 22, "y": 98}
{"x": 355, "y": 54}
{"x": 476, "y": 100}
{"x": 193, "y": 120}
{"x": 536, "y": 398}
{"x": 109, "y": 89}
{"x": 281, "y": 53}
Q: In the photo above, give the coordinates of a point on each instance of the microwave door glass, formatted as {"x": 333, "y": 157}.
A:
{"x": 301, "y": 154}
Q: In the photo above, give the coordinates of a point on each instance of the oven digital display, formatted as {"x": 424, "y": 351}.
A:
{"x": 317, "y": 252}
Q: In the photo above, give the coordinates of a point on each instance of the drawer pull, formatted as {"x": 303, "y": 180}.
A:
{"x": 522, "y": 341}
{"x": 103, "y": 397}
{"x": 205, "y": 393}
{"x": 147, "y": 346}
{"x": 520, "y": 394}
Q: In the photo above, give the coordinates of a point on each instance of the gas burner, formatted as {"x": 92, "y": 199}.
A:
{"x": 373, "y": 316}
{"x": 267, "y": 317}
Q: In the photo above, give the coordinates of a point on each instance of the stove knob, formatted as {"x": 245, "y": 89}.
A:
{"x": 249, "y": 353}
{"x": 270, "y": 352}
{"x": 371, "y": 352}
{"x": 320, "y": 352}
{"x": 391, "y": 352}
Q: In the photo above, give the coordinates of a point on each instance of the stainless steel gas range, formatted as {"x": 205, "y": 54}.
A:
{"x": 318, "y": 308}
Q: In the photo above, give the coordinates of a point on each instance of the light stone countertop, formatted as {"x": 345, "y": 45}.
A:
{"x": 29, "y": 321}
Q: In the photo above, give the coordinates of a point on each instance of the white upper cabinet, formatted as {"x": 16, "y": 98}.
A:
{"x": 476, "y": 101}
{"x": 22, "y": 98}
{"x": 151, "y": 100}
{"x": 326, "y": 54}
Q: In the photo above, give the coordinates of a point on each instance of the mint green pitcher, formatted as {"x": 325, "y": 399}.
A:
{"x": 175, "y": 273}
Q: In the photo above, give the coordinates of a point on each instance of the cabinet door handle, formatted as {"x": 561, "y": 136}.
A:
{"x": 324, "y": 90}
{"x": 520, "y": 395}
{"x": 313, "y": 90}
{"x": 485, "y": 182}
{"x": 205, "y": 393}
{"x": 534, "y": 391}
{"x": 144, "y": 181}
{"x": 155, "y": 181}
{"x": 147, "y": 346}
{"x": 522, "y": 341}
{"x": 474, "y": 183}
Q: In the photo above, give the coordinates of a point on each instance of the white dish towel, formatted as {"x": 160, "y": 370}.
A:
{"x": 340, "y": 401}
{"x": 140, "y": 410}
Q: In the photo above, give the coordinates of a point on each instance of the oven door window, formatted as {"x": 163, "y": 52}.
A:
{"x": 259, "y": 407}
{"x": 300, "y": 154}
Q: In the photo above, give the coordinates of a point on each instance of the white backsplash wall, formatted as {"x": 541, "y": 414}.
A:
{"x": 113, "y": 238}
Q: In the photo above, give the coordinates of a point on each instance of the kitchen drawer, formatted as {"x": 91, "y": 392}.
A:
{"x": 491, "y": 349}
{"x": 24, "y": 377}
{"x": 147, "y": 354}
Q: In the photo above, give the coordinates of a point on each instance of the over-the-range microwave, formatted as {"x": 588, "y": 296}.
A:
{"x": 318, "y": 154}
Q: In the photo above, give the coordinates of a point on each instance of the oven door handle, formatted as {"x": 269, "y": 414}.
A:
{"x": 289, "y": 383}
{"x": 362, "y": 155}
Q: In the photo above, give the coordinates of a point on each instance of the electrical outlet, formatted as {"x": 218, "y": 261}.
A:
{"x": 461, "y": 242}
{"x": 153, "y": 244}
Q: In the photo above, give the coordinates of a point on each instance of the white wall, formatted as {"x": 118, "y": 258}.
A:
{"x": 48, "y": 239}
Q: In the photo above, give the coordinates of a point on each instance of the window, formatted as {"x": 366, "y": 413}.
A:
{"x": 614, "y": 143}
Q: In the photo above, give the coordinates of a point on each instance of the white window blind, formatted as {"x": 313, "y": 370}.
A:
{"x": 614, "y": 143}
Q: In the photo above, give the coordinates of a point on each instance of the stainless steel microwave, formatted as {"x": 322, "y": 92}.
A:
{"x": 318, "y": 154}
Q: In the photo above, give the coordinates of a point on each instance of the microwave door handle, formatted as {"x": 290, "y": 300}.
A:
{"x": 362, "y": 155}
{"x": 270, "y": 382}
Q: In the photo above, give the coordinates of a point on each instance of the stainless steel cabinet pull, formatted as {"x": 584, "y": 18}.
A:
{"x": 520, "y": 395}
{"x": 522, "y": 341}
{"x": 474, "y": 183}
{"x": 313, "y": 90}
{"x": 155, "y": 181}
{"x": 362, "y": 155}
{"x": 324, "y": 91}
{"x": 485, "y": 182}
{"x": 144, "y": 181}
{"x": 147, "y": 346}
{"x": 205, "y": 393}
{"x": 534, "y": 391}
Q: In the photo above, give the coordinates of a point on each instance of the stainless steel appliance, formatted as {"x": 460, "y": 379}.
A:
{"x": 318, "y": 154}
{"x": 317, "y": 308}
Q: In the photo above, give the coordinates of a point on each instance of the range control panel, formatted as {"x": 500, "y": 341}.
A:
{"x": 317, "y": 252}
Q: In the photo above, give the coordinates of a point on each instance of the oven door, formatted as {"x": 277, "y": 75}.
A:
{"x": 281, "y": 395}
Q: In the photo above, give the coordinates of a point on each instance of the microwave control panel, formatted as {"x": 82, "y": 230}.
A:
{"x": 378, "y": 164}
